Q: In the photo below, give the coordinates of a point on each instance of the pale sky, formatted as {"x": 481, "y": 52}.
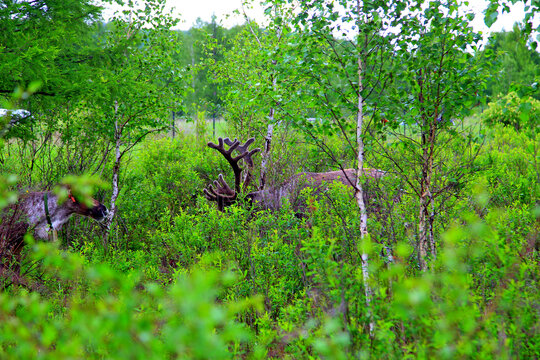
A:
{"x": 190, "y": 10}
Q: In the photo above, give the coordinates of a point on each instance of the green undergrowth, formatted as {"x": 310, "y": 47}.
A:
{"x": 183, "y": 280}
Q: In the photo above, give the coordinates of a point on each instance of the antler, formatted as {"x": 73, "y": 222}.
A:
{"x": 220, "y": 191}
{"x": 243, "y": 149}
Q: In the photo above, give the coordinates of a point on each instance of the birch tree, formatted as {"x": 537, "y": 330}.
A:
{"x": 258, "y": 84}
{"x": 439, "y": 83}
{"x": 138, "y": 85}
{"x": 341, "y": 54}
{"x": 276, "y": 29}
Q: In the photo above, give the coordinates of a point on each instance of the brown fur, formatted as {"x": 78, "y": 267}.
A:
{"x": 272, "y": 198}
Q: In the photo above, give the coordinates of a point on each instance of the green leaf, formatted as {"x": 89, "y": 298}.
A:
{"x": 490, "y": 16}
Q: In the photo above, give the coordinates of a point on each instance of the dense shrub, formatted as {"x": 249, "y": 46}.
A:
{"x": 96, "y": 312}
{"x": 161, "y": 179}
{"x": 510, "y": 167}
{"x": 511, "y": 110}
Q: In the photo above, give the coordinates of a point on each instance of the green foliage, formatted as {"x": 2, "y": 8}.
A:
{"x": 263, "y": 260}
{"x": 522, "y": 113}
{"x": 137, "y": 85}
{"x": 109, "y": 314}
{"x": 516, "y": 65}
{"x": 252, "y": 73}
{"x": 82, "y": 187}
{"x": 162, "y": 180}
{"x": 160, "y": 295}
{"x": 203, "y": 45}
{"x": 47, "y": 41}
{"x": 182, "y": 280}
{"x": 200, "y": 126}
{"x": 511, "y": 167}
{"x": 303, "y": 274}
{"x": 7, "y": 196}
{"x": 491, "y": 13}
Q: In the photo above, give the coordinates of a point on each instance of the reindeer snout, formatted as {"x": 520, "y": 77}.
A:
{"x": 99, "y": 212}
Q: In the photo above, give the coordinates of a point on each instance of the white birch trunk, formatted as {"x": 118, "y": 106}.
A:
{"x": 267, "y": 147}
{"x": 359, "y": 193}
{"x": 116, "y": 175}
{"x": 115, "y": 178}
{"x": 270, "y": 128}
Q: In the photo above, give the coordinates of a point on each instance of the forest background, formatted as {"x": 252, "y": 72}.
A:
{"x": 448, "y": 268}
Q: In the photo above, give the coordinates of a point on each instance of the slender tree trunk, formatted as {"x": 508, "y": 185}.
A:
{"x": 359, "y": 193}
{"x": 426, "y": 241}
{"x": 422, "y": 228}
{"x": 267, "y": 148}
{"x": 270, "y": 128}
{"x": 425, "y": 217}
{"x": 430, "y": 227}
{"x": 115, "y": 178}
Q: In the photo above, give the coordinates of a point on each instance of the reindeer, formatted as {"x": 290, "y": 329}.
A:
{"x": 41, "y": 213}
{"x": 272, "y": 197}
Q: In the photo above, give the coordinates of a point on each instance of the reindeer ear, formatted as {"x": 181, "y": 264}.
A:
{"x": 69, "y": 193}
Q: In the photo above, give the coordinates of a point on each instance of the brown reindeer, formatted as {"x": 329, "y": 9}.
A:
{"x": 40, "y": 213}
{"x": 272, "y": 197}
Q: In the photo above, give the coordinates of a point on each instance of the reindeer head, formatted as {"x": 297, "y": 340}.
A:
{"x": 220, "y": 191}
{"x": 96, "y": 210}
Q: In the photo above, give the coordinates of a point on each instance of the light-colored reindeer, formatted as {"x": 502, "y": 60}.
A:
{"x": 40, "y": 213}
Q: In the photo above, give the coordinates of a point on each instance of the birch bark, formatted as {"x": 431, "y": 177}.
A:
{"x": 115, "y": 179}
{"x": 267, "y": 147}
{"x": 270, "y": 128}
{"x": 359, "y": 193}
